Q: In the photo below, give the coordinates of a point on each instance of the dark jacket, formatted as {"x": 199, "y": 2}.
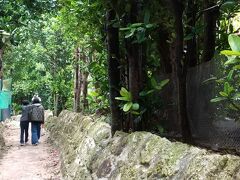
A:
{"x": 39, "y": 116}
{"x": 25, "y": 110}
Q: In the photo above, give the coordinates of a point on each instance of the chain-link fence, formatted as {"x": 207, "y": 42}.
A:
{"x": 213, "y": 125}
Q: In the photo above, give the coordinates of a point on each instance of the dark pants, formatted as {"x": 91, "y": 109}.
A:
{"x": 24, "y": 131}
{"x": 36, "y": 130}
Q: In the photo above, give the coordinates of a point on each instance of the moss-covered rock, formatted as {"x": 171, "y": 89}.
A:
{"x": 89, "y": 152}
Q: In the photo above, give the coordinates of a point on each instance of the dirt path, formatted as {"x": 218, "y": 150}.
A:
{"x": 28, "y": 162}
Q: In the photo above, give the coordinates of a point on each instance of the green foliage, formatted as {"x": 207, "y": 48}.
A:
{"x": 146, "y": 97}
{"x": 44, "y": 60}
{"x": 230, "y": 83}
{"x": 128, "y": 106}
{"x": 138, "y": 31}
{"x": 154, "y": 86}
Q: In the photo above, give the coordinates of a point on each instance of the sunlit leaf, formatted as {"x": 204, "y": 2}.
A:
{"x": 127, "y": 106}
{"x": 124, "y": 92}
{"x": 122, "y": 98}
{"x": 234, "y": 42}
{"x": 230, "y": 53}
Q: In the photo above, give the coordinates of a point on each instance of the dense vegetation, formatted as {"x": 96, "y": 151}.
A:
{"x": 102, "y": 56}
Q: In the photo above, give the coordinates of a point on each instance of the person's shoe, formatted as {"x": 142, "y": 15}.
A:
{"x": 35, "y": 144}
{"x": 22, "y": 144}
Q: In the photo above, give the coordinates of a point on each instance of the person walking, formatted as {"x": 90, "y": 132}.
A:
{"x": 36, "y": 117}
{"x": 24, "y": 123}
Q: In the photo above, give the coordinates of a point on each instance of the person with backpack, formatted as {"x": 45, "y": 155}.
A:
{"x": 36, "y": 117}
{"x": 24, "y": 123}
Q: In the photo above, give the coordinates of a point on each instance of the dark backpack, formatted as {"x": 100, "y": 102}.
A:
{"x": 36, "y": 114}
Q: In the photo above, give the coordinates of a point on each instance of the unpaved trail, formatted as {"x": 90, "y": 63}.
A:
{"x": 28, "y": 162}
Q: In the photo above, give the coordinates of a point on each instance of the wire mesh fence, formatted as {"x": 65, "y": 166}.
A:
{"x": 213, "y": 125}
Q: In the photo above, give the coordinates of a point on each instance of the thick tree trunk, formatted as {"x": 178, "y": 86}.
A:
{"x": 136, "y": 61}
{"x": 210, "y": 20}
{"x": 191, "y": 54}
{"x": 113, "y": 71}
{"x": 164, "y": 50}
{"x": 180, "y": 68}
{"x": 77, "y": 83}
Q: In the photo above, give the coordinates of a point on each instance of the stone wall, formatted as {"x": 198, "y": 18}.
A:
{"x": 89, "y": 152}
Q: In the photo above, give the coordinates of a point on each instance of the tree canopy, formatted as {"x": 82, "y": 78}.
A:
{"x": 128, "y": 58}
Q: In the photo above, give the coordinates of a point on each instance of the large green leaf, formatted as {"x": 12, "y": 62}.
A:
{"x": 228, "y": 5}
{"x": 218, "y": 99}
{"x": 122, "y": 98}
{"x": 124, "y": 92}
{"x": 230, "y": 53}
{"x": 234, "y": 42}
{"x": 127, "y": 106}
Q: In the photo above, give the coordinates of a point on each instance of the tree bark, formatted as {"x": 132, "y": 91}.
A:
{"x": 136, "y": 62}
{"x": 210, "y": 20}
{"x": 85, "y": 85}
{"x": 191, "y": 54}
{"x": 180, "y": 68}
{"x": 55, "y": 100}
{"x": 113, "y": 71}
{"x": 164, "y": 50}
{"x": 77, "y": 83}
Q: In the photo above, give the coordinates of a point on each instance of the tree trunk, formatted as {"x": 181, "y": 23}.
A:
{"x": 77, "y": 83}
{"x": 210, "y": 20}
{"x": 136, "y": 60}
{"x": 113, "y": 70}
{"x": 180, "y": 68}
{"x": 164, "y": 50}
{"x": 85, "y": 90}
{"x": 55, "y": 100}
{"x": 191, "y": 54}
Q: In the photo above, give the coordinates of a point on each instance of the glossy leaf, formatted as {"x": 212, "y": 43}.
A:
{"x": 127, "y": 106}
{"x": 230, "y": 53}
{"x": 234, "y": 42}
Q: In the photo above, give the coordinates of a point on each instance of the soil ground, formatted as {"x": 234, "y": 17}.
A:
{"x": 28, "y": 162}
